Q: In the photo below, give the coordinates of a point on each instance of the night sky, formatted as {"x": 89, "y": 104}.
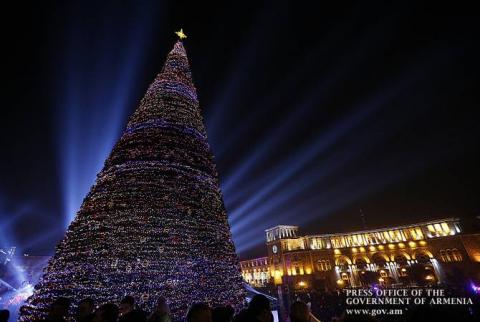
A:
{"x": 313, "y": 113}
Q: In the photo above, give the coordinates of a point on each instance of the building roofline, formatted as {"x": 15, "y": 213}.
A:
{"x": 435, "y": 221}
{"x": 254, "y": 259}
{"x": 282, "y": 226}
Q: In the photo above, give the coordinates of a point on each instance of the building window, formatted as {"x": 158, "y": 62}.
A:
{"x": 442, "y": 229}
{"x": 456, "y": 255}
{"x": 403, "y": 271}
{"x": 379, "y": 261}
{"x": 444, "y": 257}
{"x": 324, "y": 265}
{"x": 445, "y": 227}
{"x": 401, "y": 260}
{"x": 361, "y": 264}
{"x": 450, "y": 255}
{"x": 423, "y": 258}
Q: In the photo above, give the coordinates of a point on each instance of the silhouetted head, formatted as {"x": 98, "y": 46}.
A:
{"x": 60, "y": 307}
{"x": 106, "y": 313}
{"x": 85, "y": 307}
{"x": 162, "y": 306}
{"x": 4, "y": 315}
{"x": 127, "y": 304}
{"x": 222, "y": 314}
{"x": 259, "y": 308}
{"x": 199, "y": 312}
{"x": 299, "y": 312}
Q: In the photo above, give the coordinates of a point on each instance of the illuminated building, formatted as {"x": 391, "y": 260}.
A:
{"x": 255, "y": 271}
{"x": 416, "y": 254}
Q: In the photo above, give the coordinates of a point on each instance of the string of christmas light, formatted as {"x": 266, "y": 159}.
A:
{"x": 154, "y": 223}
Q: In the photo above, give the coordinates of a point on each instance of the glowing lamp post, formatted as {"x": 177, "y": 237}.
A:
{"x": 277, "y": 277}
{"x": 277, "y": 280}
{"x": 429, "y": 278}
{"x": 302, "y": 284}
{"x": 381, "y": 281}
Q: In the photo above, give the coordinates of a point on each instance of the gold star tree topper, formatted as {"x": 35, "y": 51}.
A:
{"x": 180, "y": 34}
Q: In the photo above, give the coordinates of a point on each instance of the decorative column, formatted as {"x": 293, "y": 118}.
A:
{"x": 392, "y": 268}
{"x": 353, "y": 275}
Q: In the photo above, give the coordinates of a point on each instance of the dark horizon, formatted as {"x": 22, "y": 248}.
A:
{"x": 312, "y": 114}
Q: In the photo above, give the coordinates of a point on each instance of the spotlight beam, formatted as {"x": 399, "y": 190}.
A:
{"x": 377, "y": 177}
{"x": 313, "y": 149}
{"x": 313, "y": 99}
{"x": 90, "y": 120}
{"x": 10, "y": 287}
{"x": 241, "y": 71}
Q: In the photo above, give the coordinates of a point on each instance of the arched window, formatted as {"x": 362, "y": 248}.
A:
{"x": 401, "y": 260}
{"x": 443, "y": 256}
{"x": 361, "y": 264}
{"x": 380, "y": 261}
{"x": 342, "y": 264}
{"x": 324, "y": 265}
{"x": 423, "y": 258}
{"x": 449, "y": 255}
{"x": 456, "y": 255}
{"x": 328, "y": 266}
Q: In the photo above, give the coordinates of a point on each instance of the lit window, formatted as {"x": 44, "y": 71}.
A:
{"x": 443, "y": 256}
{"x": 419, "y": 233}
{"x": 398, "y": 235}
{"x": 445, "y": 227}
{"x": 391, "y": 234}
{"x": 386, "y": 236}
{"x": 413, "y": 233}
{"x": 456, "y": 255}
{"x": 457, "y": 228}
{"x": 449, "y": 255}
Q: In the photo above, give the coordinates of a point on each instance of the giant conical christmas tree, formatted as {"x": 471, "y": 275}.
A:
{"x": 154, "y": 222}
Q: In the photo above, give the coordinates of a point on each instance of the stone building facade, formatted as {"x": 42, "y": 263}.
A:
{"x": 430, "y": 252}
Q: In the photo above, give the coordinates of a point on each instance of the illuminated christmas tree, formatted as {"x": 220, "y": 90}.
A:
{"x": 154, "y": 222}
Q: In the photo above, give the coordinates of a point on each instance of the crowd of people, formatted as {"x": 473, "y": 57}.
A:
{"x": 258, "y": 310}
{"x": 330, "y": 306}
{"x": 306, "y": 307}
